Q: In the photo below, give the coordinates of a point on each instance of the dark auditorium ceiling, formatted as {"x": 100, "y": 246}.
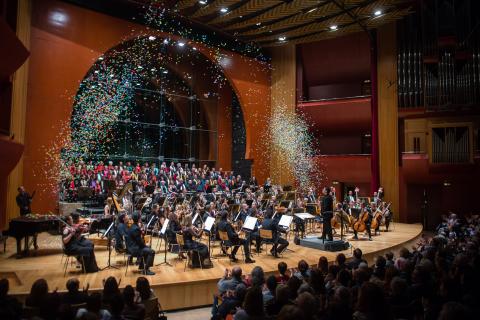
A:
{"x": 275, "y": 22}
{"x": 268, "y": 23}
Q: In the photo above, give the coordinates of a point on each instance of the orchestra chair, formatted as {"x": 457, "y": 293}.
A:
{"x": 266, "y": 237}
{"x": 128, "y": 256}
{"x": 226, "y": 244}
{"x": 181, "y": 243}
{"x": 68, "y": 258}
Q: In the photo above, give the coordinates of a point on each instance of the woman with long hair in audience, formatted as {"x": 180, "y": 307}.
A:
{"x": 110, "y": 289}
{"x": 146, "y": 296}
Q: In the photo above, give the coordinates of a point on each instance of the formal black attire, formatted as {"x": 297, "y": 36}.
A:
{"x": 81, "y": 247}
{"x": 234, "y": 239}
{"x": 120, "y": 235}
{"x": 136, "y": 246}
{"x": 368, "y": 224}
{"x": 190, "y": 244}
{"x": 327, "y": 214}
{"x": 279, "y": 243}
{"x": 23, "y": 201}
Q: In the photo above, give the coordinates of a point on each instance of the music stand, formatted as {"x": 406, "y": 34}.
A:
{"x": 209, "y": 222}
{"x": 84, "y": 193}
{"x": 109, "y": 244}
{"x": 162, "y": 235}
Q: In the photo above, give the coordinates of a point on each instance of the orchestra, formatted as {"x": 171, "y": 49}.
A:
{"x": 187, "y": 197}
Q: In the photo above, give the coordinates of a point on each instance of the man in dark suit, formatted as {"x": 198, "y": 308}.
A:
{"x": 279, "y": 243}
{"x": 121, "y": 233}
{"x": 23, "y": 201}
{"x": 243, "y": 213}
{"x": 136, "y": 246}
{"x": 327, "y": 213}
{"x": 233, "y": 237}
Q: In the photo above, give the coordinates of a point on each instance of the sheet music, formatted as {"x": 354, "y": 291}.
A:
{"x": 195, "y": 218}
{"x": 209, "y": 223}
{"x": 285, "y": 221}
{"x": 164, "y": 227}
{"x": 250, "y": 223}
{"x": 304, "y": 215}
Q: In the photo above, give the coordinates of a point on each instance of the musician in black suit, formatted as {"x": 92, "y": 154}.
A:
{"x": 24, "y": 201}
{"x": 368, "y": 222}
{"x": 327, "y": 213}
{"x": 233, "y": 237}
{"x": 75, "y": 244}
{"x": 279, "y": 243}
{"x": 136, "y": 246}
{"x": 243, "y": 213}
{"x": 121, "y": 232}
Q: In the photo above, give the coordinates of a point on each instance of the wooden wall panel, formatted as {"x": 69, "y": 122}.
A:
{"x": 283, "y": 99}
{"x": 19, "y": 108}
{"x": 388, "y": 114}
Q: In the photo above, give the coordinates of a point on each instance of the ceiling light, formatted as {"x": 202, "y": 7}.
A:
{"x": 334, "y": 27}
{"x": 181, "y": 44}
{"x": 165, "y": 71}
{"x": 153, "y": 69}
{"x": 311, "y": 10}
{"x": 258, "y": 23}
{"x": 194, "y": 48}
{"x": 223, "y": 10}
{"x": 282, "y": 38}
{"x": 165, "y": 41}
{"x": 151, "y": 38}
{"x": 202, "y": 2}
{"x": 377, "y": 13}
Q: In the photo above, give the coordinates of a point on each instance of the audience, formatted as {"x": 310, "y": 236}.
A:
{"x": 437, "y": 279}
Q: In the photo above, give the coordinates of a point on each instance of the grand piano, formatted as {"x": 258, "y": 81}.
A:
{"x": 29, "y": 225}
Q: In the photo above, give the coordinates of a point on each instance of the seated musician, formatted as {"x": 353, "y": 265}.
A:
{"x": 280, "y": 244}
{"x": 121, "y": 232}
{"x": 136, "y": 246}
{"x": 299, "y": 223}
{"x": 387, "y": 214}
{"x": 374, "y": 209}
{"x": 108, "y": 209}
{"x": 189, "y": 233}
{"x": 255, "y": 234}
{"x": 242, "y": 214}
{"x": 75, "y": 244}
{"x": 233, "y": 237}
{"x": 173, "y": 228}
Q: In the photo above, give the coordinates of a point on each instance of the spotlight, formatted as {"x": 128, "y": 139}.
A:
{"x": 282, "y": 38}
{"x": 333, "y": 28}
{"x": 258, "y": 23}
{"x": 377, "y": 13}
{"x": 181, "y": 44}
{"x": 151, "y": 38}
{"x": 223, "y": 10}
{"x": 153, "y": 69}
{"x": 202, "y": 2}
{"x": 165, "y": 41}
{"x": 311, "y": 10}
{"x": 96, "y": 71}
{"x": 165, "y": 71}
{"x": 100, "y": 58}
{"x": 194, "y": 48}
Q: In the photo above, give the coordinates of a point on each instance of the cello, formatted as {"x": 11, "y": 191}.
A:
{"x": 360, "y": 224}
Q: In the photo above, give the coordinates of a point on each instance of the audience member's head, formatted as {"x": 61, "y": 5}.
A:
{"x": 307, "y": 303}
{"x": 258, "y": 276}
{"x": 341, "y": 260}
{"x": 143, "y": 288}
{"x": 291, "y": 312}
{"x": 4, "y": 287}
{"x": 39, "y": 290}
{"x": 282, "y": 268}
{"x": 73, "y": 285}
{"x": 94, "y": 302}
{"x": 294, "y": 284}
{"x": 253, "y": 303}
{"x": 237, "y": 273}
{"x": 271, "y": 284}
{"x": 323, "y": 265}
{"x": 129, "y": 295}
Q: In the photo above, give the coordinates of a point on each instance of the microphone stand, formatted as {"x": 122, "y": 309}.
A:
{"x": 109, "y": 244}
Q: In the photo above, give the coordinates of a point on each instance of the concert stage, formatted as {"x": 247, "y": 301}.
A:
{"x": 175, "y": 288}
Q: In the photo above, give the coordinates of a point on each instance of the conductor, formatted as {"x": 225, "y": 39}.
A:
{"x": 327, "y": 213}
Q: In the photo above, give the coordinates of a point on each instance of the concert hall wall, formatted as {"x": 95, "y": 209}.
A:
{"x": 65, "y": 42}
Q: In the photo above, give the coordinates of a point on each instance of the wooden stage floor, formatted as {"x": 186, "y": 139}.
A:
{"x": 175, "y": 288}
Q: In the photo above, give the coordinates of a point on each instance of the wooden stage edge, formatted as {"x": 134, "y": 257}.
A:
{"x": 175, "y": 288}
